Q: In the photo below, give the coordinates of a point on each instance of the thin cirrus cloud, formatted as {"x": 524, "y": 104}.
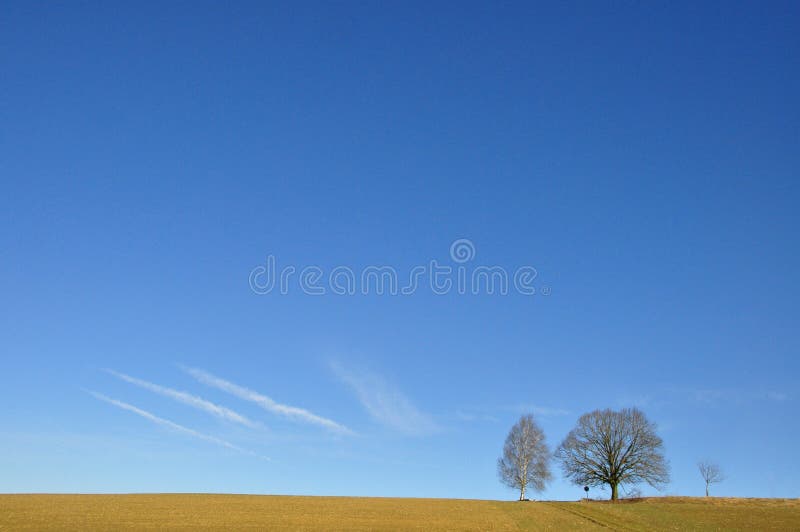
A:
{"x": 715, "y": 396}
{"x": 188, "y": 399}
{"x": 543, "y": 411}
{"x": 487, "y": 414}
{"x": 465, "y": 415}
{"x": 268, "y": 404}
{"x": 170, "y": 424}
{"x": 384, "y": 402}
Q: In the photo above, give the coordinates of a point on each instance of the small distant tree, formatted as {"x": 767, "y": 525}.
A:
{"x": 633, "y": 493}
{"x": 614, "y": 448}
{"x": 525, "y": 463}
{"x": 710, "y": 472}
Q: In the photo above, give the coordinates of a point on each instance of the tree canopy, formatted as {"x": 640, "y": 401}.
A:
{"x": 609, "y": 447}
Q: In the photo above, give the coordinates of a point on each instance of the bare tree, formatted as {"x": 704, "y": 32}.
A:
{"x": 710, "y": 472}
{"x": 610, "y": 447}
{"x": 526, "y": 459}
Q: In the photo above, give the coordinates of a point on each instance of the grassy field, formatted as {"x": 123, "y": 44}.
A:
{"x": 113, "y": 512}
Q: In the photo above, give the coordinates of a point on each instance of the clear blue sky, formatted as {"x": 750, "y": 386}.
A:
{"x": 642, "y": 157}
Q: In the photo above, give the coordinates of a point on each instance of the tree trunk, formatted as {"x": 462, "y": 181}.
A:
{"x": 522, "y": 493}
{"x": 706, "y": 489}
{"x": 614, "y": 495}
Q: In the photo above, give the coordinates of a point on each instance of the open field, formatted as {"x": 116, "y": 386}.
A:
{"x": 179, "y": 511}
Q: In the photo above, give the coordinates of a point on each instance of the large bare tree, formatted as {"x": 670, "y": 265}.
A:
{"x": 526, "y": 460}
{"x": 613, "y": 447}
{"x": 710, "y": 472}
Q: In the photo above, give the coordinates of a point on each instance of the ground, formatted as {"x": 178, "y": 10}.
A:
{"x": 190, "y": 512}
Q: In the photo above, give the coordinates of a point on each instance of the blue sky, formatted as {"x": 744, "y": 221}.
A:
{"x": 642, "y": 158}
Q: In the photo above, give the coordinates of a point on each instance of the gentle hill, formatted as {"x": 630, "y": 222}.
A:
{"x": 196, "y": 511}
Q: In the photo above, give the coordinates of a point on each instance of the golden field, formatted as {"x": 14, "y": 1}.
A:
{"x": 195, "y": 511}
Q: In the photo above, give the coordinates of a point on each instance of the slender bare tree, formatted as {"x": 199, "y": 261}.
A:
{"x": 526, "y": 459}
{"x": 614, "y": 447}
{"x": 710, "y": 472}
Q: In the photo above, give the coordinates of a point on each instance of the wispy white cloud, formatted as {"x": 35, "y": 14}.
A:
{"x": 714, "y": 396}
{"x": 170, "y": 424}
{"x": 707, "y": 397}
{"x": 536, "y": 410}
{"x": 385, "y": 403}
{"x": 268, "y": 404}
{"x": 495, "y": 413}
{"x": 188, "y": 399}
{"x": 464, "y": 415}
{"x": 642, "y": 401}
{"x": 777, "y": 396}
{"x": 546, "y": 411}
